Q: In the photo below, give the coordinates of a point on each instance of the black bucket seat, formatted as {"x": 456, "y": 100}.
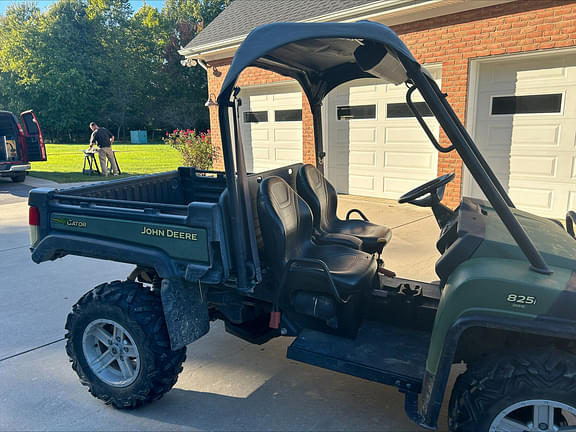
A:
{"x": 298, "y": 264}
{"x": 323, "y": 201}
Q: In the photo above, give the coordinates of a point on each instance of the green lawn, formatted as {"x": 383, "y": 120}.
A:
{"x": 64, "y": 164}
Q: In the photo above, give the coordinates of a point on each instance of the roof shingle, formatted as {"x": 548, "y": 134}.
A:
{"x": 242, "y": 16}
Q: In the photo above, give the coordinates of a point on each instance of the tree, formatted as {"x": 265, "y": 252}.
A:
{"x": 186, "y": 88}
{"x": 97, "y": 60}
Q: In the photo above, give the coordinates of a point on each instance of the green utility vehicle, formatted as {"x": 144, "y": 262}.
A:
{"x": 265, "y": 253}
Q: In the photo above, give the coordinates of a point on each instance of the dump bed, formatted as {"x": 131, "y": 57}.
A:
{"x": 171, "y": 221}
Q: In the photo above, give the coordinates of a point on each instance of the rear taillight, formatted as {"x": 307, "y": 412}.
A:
{"x": 33, "y": 216}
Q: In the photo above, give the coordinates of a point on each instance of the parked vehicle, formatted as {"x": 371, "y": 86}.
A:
{"x": 19, "y": 145}
{"x": 265, "y": 253}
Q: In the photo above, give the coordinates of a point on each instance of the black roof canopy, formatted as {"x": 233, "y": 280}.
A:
{"x": 320, "y": 56}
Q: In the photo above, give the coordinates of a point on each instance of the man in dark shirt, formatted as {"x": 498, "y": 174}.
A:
{"x": 104, "y": 138}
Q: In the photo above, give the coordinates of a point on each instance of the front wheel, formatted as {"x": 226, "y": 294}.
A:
{"x": 118, "y": 344}
{"x": 526, "y": 391}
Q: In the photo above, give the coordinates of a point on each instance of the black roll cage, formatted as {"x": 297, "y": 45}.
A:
{"x": 246, "y": 259}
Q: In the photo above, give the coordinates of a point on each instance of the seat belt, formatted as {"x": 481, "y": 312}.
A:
{"x": 243, "y": 187}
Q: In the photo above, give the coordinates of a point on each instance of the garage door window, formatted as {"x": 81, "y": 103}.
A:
{"x": 402, "y": 110}
{"x": 531, "y": 104}
{"x": 255, "y": 116}
{"x": 288, "y": 115}
{"x": 356, "y": 112}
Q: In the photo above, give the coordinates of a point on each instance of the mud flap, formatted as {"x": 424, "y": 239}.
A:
{"x": 185, "y": 310}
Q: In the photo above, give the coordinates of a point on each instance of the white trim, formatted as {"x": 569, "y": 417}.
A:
{"x": 367, "y": 11}
{"x": 287, "y": 83}
{"x": 472, "y": 96}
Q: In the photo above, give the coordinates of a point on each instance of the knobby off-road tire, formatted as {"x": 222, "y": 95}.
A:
{"x": 502, "y": 390}
{"x": 132, "y": 315}
{"x": 19, "y": 178}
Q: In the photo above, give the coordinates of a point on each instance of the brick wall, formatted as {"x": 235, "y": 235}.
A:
{"x": 452, "y": 40}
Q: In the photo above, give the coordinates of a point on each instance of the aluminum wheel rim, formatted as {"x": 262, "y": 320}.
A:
{"x": 111, "y": 353}
{"x": 536, "y": 415}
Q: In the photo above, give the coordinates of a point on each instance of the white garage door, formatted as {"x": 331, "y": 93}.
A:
{"x": 375, "y": 147}
{"x": 526, "y": 129}
{"x": 271, "y": 124}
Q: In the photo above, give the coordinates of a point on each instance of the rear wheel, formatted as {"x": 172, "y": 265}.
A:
{"x": 118, "y": 344}
{"x": 19, "y": 178}
{"x": 529, "y": 391}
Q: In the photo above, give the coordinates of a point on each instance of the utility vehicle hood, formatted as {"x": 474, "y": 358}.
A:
{"x": 556, "y": 246}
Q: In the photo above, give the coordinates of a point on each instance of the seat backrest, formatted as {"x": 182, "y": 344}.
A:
{"x": 319, "y": 194}
{"x": 285, "y": 221}
{"x": 288, "y": 173}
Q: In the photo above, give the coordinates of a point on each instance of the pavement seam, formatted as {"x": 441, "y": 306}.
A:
{"x": 13, "y": 248}
{"x": 30, "y": 350}
{"x": 411, "y": 222}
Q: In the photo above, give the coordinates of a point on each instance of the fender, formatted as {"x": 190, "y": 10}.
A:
{"x": 494, "y": 293}
{"x": 434, "y": 385}
{"x": 55, "y": 246}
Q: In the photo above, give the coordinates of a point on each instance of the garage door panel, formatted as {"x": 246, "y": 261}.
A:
{"x": 414, "y": 161}
{"x": 293, "y": 135}
{"x": 357, "y": 135}
{"x": 510, "y": 74}
{"x": 571, "y": 201}
{"x": 364, "y": 158}
{"x": 261, "y": 153}
{"x": 288, "y": 155}
{"x": 536, "y": 135}
{"x": 536, "y": 199}
{"x": 573, "y": 168}
{"x": 259, "y": 134}
{"x": 281, "y": 99}
{"x": 396, "y": 186}
{"x": 533, "y": 166}
{"x": 410, "y": 135}
{"x": 365, "y": 183}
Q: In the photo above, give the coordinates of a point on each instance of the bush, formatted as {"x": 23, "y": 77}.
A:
{"x": 195, "y": 148}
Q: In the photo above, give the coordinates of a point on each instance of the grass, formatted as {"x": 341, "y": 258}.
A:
{"x": 64, "y": 164}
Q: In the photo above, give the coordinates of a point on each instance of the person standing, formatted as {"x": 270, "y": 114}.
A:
{"x": 105, "y": 139}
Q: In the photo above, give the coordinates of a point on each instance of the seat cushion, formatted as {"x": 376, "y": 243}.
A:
{"x": 367, "y": 232}
{"x": 352, "y": 270}
{"x": 323, "y": 201}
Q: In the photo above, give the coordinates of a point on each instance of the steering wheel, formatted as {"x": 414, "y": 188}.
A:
{"x": 434, "y": 187}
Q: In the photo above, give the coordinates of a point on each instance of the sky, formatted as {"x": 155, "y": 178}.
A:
{"x": 136, "y": 4}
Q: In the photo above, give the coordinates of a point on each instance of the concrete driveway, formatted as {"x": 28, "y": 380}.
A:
{"x": 227, "y": 384}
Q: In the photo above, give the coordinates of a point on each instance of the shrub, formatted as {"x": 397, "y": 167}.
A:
{"x": 195, "y": 148}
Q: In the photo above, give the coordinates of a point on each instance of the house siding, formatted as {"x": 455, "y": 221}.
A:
{"x": 452, "y": 41}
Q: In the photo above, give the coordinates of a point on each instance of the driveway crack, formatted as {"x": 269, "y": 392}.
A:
{"x": 30, "y": 350}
